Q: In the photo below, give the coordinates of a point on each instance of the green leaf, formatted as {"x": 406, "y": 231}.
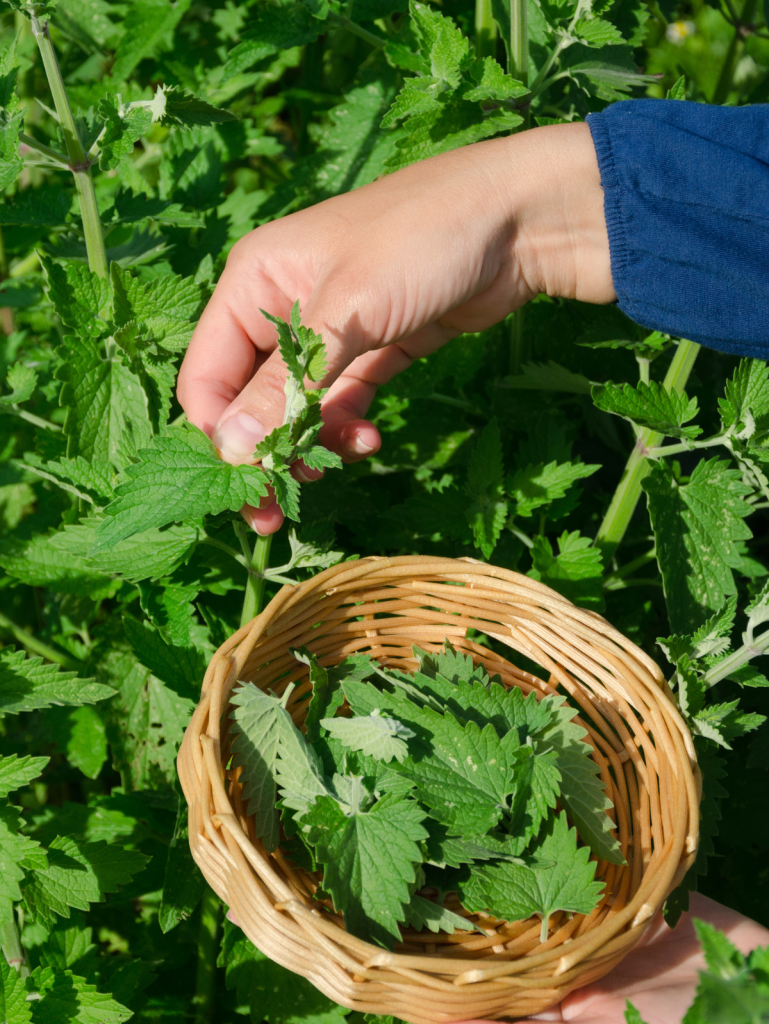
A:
{"x": 272, "y": 30}
{"x": 422, "y": 913}
{"x": 180, "y": 667}
{"x": 369, "y": 861}
{"x": 575, "y": 572}
{"x": 493, "y": 83}
{"x": 37, "y": 207}
{"x": 159, "y": 302}
{"x": 55, "y": 561}
{"x": 14, "y": 1008}
{"x": 351, "y": 151}
{"x": 79, "y": 733}
{"x": 66, "y": 999}
{"x": 179, "y": 477}
{"x": 733, "y": 990}
{"x": 298, "y": 771}
{"x": 721, "y": 956}
{"x": 724, "y": 722}
{"x": 286, "y": 489}
{"x": 78, "y": 296}
{"x": 650, "y": 405}
{"x": 145, "y": 720}
{"x": 746, "y": 398}
{"x": 147, "y": 30}
{"x": 22, "y": 381}
{"x": 375, "y": 735}
{"x": 540, "y": 485}
{"x": 462, "y": 773}
{"x": 453, "y": 124}
{"x": 255, "y": 749}
{"x": 582, "y": 791}
{"x": 273, "y": 993}
{"x": 487, "y": 509}
{"x": 17, "y": 772}
{"x": 514, "y": 892}
{"x": 27, "y": 684}
{"x": 632, "y": 1016}
{"x": 106, "y": 404}
{"x": 698, "y": 527}
{"x": 79, "y": 874}
{"x": 149, "y": 555}
{"x": 122, "y": 129}
{"x": 86, "y": 479}
{"x": 549, "y": 376}
{"x": 17, "y": 853}
{"x": 183, "y": 884}
{"x": 678, "y": 90}
{"x": 172, "y": 105}
{"x": 598, "y": 32}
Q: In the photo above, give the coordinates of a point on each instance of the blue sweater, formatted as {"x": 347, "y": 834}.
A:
{"x": 687, "y": 208}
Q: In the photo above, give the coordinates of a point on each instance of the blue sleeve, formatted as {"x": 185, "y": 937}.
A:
{"x": 686, "y": 197}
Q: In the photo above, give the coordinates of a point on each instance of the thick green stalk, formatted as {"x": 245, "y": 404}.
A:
{"x": 519, "y": 40}
{"x": 13, "y": 951}
{"x": 742, "y": 656}
{"x": 628, "y": 493}
{"x": 485, "y": 29}
{"x": 37, "y": 646}
{"x": 79, "y": 163}
{"x": 257, "y": 565}
{"x": 204, "y": 1000}
{"x": 733, "y": 54}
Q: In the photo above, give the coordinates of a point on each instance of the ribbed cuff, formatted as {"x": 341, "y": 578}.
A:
{"x": 612, "y": 203}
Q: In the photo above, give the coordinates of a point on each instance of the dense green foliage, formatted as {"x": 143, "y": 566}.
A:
{"x": 192, "y": 123}
{"x": 442, "y": 778}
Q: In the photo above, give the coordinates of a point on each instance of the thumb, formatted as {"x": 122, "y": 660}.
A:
{"x": 257, "y": 410}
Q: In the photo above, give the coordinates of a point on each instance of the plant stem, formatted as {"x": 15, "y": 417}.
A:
{"x": 736, "y": 660}
{"x": 212, "y": 542}
{"x": 79, "y": 163}
{"x": 25, "y": 266}
{"x": 256, "y": 563}
{"x": 39, "y": 147}
{"x": 485, "y": 29}
{"x": 12, "y": 947}
{"x": 37, "y": 646}
{"x": 30, "y": 417}
{"x": 356, "y": 30}
{"x": 519, "y": 40}
{"x": 205, "y": 983}
{"x": 628, "y": 493}
{"x": 733, "y": 54}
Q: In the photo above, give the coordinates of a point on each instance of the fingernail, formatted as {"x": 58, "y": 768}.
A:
{"x": 237, "y": 437}
{"x": 252, "y": 522}
{"x": 355, "y": 445}
{"x": 306, "y": 476}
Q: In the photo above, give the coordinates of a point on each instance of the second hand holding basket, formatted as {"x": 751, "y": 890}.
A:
{"x": 384, "y": 606}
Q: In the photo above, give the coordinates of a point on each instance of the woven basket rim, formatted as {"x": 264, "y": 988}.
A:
{"x": 611, "y": 680}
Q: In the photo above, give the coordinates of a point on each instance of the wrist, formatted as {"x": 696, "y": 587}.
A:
{"x": 559, "y": 235}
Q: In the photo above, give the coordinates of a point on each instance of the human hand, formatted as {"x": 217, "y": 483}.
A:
{"x": 660, "y": 976}
{"x": 389, "y": 273}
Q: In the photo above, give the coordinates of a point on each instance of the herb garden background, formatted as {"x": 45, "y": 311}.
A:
{"x": 627, "y": 470}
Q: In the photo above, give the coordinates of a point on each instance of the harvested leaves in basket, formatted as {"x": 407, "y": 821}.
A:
{"x": 407, "y": 787}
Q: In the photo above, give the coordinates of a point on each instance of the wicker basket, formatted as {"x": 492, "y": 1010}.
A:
{"x": 384, "y": 606}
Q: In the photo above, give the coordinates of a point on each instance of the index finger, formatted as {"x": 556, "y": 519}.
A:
{"x": 230, "y": 343}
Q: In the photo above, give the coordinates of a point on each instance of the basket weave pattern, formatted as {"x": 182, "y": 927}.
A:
{"x": 383, "y": 606}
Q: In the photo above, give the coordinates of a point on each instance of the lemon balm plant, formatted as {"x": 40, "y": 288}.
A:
{"x": 139, "y": 141}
